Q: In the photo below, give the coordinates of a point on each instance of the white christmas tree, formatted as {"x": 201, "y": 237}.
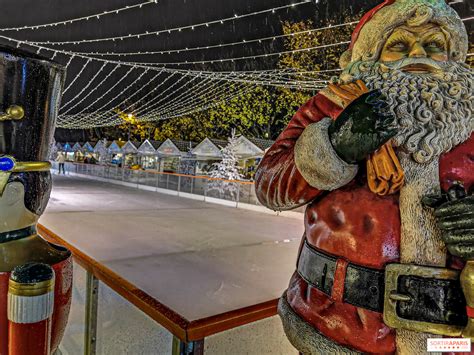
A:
{"x": 103, "y": 152}
{"x": 227, "y": 170}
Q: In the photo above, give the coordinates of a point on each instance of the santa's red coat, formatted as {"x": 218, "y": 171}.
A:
{"x": 351, "y": 223}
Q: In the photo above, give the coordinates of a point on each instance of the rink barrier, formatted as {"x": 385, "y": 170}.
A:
{"x": 242, "y": 194}
{"x": 188, "y": 336}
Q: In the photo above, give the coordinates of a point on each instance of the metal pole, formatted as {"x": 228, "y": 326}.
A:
{"x": 92, "y": 298}
{"x": 191, "y": 348}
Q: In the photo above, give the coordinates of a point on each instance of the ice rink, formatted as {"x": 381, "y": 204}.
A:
{"x": 199, "y": 259}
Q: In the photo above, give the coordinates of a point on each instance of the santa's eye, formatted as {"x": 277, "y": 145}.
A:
{"x": 434, "y": 45}
{"x": 398, "y": 46}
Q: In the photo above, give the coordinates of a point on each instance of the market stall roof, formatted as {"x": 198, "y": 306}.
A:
{"x": 119, "y": 142}
{"x": 263, "y": 144}
{"x": 115, "y": 147}
{"x": 184, "y": 146}
{"x": 220, "y": 143}
{"x": 207, "y": 148}
{"x": 147, "y": 148}
{"x": 246, "y": 149}
{"x": 77, "y": 147}
{"x": 168, "y": 148}
{"x": 87, "y": 147}
{"x": 67, "y": 148}
{"x": 130, "y": 148}
{"x": 101, "y": 147}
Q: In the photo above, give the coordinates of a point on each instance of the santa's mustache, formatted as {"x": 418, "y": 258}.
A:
{"x": 434, "y": 65}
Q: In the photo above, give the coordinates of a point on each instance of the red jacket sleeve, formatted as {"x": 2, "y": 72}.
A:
{"x": 278, "y": 183}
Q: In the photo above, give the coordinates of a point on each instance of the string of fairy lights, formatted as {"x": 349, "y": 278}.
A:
{"x": 175, "y": 29}
{"x": 78, "y": 75}
{"x": 223, "y": 45}
{"x": 234, "y": 59}
{"x": 156, "y": 90}
{"x": 176, "y": 99}
{"x": 82, "y": 96}
{"x": 97, "y": 16}
{"x": 85, "y": 87}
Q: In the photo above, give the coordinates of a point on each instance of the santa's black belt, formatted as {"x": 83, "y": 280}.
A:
{"x": 415, "y": 294}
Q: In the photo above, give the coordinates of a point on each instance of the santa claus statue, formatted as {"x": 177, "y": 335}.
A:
{"x": 384, "y": 160}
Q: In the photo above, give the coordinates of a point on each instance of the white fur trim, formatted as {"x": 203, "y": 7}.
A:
{"x": 304, "y": 337}
{"x": 317, "y": 161}
{"x": 28, "y": 310}
{"x": 420, "y": 241}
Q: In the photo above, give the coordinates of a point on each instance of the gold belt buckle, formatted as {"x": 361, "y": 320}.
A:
{"x": 392, "y": 297}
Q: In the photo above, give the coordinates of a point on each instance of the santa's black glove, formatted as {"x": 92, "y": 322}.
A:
{"x": 454, "y": 212}
{"x": 363, "y": 127}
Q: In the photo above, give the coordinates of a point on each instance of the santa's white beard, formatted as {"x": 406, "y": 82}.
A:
{"x": 433, "y": 112}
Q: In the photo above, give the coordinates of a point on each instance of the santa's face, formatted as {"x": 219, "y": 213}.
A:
{"x": 430, "y": 95}
{"x": 426, "y": 41}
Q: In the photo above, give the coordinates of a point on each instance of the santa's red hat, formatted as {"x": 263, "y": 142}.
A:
{"x": 376, "y": 26}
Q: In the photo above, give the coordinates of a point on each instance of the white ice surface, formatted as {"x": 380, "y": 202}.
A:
{"x": 197, "y": 258}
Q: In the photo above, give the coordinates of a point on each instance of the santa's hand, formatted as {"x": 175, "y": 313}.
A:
{"x": 362, "y": 128}
{"x": 455, "y": 217}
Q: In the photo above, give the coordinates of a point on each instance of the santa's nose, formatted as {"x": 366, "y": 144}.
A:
{"x": 417, "y": 51}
